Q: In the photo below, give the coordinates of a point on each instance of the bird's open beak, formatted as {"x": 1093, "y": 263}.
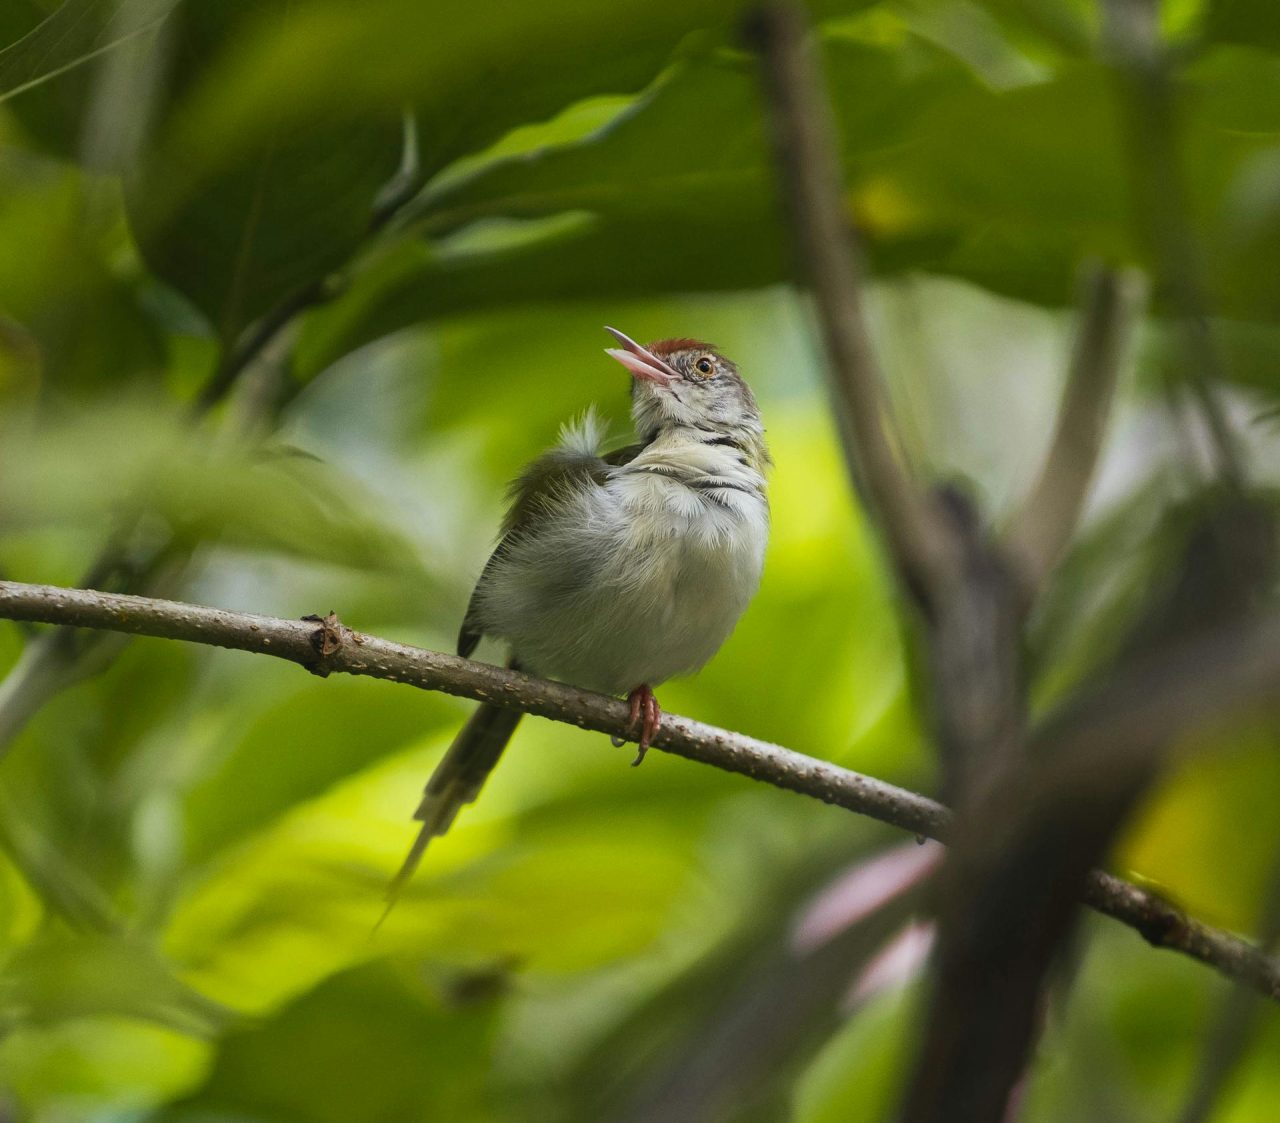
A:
{"x": 640, "y": 361}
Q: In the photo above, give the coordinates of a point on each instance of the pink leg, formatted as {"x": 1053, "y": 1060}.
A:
{"x": 645, "y": 713}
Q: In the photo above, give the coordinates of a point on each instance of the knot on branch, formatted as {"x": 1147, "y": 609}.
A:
{"x": 326, "y": 639}
{"x": 1161, "y": 923}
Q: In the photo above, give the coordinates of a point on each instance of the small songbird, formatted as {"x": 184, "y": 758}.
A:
{"x": 618, "y": 571}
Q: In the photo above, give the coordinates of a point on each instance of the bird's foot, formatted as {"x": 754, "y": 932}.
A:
{"x": 647, "y": 715}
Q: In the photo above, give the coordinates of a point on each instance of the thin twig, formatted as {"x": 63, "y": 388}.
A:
{"x": 1044, "y": 526}
{"x": 1157, "y": 920}
{"x": 809, "y": 173}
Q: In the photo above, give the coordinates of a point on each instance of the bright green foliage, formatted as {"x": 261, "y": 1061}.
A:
{"x": 194, "y": 843}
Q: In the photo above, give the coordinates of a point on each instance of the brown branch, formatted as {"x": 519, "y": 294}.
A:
{"x": 1042, "y": 529}
{"x": 1022, "y": 853}
{"x": 1236, "y": 1023}
{"x": 809, "y": 173}
{"x": 350, "y": 652}
{"x": 1023, "y": 849}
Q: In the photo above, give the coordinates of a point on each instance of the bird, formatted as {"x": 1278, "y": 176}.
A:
{"x": 617, "y": 571}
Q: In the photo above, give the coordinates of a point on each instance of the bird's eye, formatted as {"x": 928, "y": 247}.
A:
{"x": 704, "y": 365}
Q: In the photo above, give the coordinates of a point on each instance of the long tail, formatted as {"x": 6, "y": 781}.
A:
{"x": 456, "y": 781}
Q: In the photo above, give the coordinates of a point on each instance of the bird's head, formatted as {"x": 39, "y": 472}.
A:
{"x": 685, "y": 382}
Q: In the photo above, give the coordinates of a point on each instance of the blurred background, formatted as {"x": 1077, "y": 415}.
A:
{"x": 290, "y": 289}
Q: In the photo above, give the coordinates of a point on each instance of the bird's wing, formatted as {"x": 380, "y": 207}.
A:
{"x": 620, "y": 456}
{"x": 539, "y": 487}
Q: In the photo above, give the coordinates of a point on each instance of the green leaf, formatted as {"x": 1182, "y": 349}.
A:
{"x": 687, "y": 169}
{"x": 148, "y": 461}
{"x": 1249, "y": 22}
{"x": 268, "y": 217}
{"x": 1060, "y": 26}
{"x": 304, "y": 741}
{"x": 77, "y": 32}
{"x": 60, "y": 978}
{"x": 696, "y": 146}
{"x": 858, "y": 1073}
{"x": 60, "y": 280}
{"x": 280, "y": 137}
{"x": 374, "y": 1043}
{"x": 62, "y": 82}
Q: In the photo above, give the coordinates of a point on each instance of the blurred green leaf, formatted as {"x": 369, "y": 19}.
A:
{"x": 56, "y": 78}
{"x": 147, "y": 462}
{"x": 1199, "y": 838}
{"x": 291, "y": 752}
{"x": 61, "y": 887}
{"x": 687, "y": 168}
{"x": 279, "y": 212}
{"x": 260, "y": 186}
{"x": 1064, "y": 26}
{"x": 59, "y": 978}
{"x": 78, "y": 31}
{"x": 80, "y": 319}
{"x": 57, "y": 1070}
{"x": 375, "y": 1045}
{"x": 858, "y": 1074}
{"x": 77, "y": 777}
{"x": 1251, "y": 22}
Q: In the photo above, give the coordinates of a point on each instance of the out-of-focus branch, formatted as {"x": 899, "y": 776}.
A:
{"x": 1023, "y": 851}
{"x": 1163, "y": 925}
{"x": 936, "y": 540}
{"x": 327, "y": 646}
{"x": 1234, "y": 1027}
{"x": 1149, "y": 112}
{"x": 1043, "y": 527}
{"x": 830, "y": 257}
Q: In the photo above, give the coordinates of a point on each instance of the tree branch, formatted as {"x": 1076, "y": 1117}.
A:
{"x": 325, "y": 647}
{"x": 809, "y": 172}
{"x": 1043, "y": 527}
{"x": 1236, "y": 1023}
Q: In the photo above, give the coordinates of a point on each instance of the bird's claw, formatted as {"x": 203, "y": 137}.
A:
{"x": 647, "y": 714}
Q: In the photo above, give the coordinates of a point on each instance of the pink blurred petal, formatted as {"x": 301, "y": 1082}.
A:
{"x": 861, "y": 890}
{"x": 1017, "y": 1096}
{"x": 895, "y": 964}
